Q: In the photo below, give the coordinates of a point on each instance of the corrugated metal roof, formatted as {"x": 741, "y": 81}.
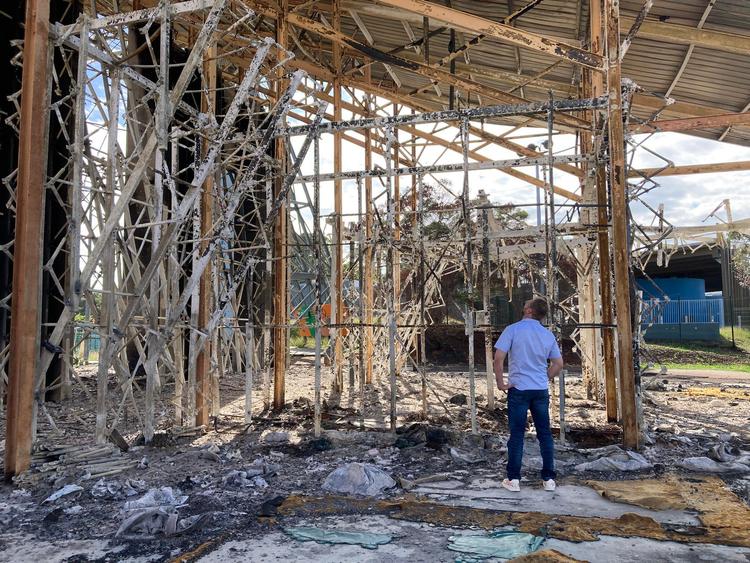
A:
{"x": 712, "y": 78}
{"x": 716, "y": 80}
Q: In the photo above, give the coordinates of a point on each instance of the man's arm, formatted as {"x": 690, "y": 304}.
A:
{"x": 498, "y": 365}
{"x": 555, "y": 367}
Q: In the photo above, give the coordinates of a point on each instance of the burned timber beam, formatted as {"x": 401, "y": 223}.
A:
{"x": 739, "y": 166}
{"x": 27, "y": 256}
{"x": 505, "y": 33}
{"x": 691, "y": 123}
{"x": 687, "y": 35}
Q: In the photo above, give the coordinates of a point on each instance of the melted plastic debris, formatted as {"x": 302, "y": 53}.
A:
{"x": 367, "y": 540}
{"x": 66, "y": 490}
{"x": 503, "y": 545}
{"x": 358, "y": 479}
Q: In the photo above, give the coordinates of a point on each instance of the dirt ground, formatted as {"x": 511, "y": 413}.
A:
{"x": 686, "y": 416}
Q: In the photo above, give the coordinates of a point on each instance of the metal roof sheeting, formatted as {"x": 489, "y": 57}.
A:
{"x": 716, "y": 79}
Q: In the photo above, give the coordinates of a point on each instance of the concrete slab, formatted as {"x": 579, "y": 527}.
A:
{"x": 413, "y": 542}
{"x": 423, "y": 543}
{"x": 722, "y": 375}
{"x": 611, "y": 549}
{"x": 22, "y": 547}
{"x": 569, "y": 500}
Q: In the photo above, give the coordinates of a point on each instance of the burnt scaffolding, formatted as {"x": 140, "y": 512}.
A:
{"x": 183, "y": 144}
{"x": 172, "y": 191}
{"x": 180, "y": 188}
{"x": 391, "y": 319}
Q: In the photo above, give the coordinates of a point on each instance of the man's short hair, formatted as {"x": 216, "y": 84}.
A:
{"x": 539, "y": 308}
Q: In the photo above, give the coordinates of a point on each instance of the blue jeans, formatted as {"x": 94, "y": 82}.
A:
{"x": 519, "y": 403}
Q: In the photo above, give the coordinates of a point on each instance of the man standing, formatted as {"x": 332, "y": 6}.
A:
{"x": 530, "y": 346}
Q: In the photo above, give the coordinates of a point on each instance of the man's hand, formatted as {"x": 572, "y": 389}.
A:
{"x": 501, "y": 384}
{"x": 554, "y": 369}
{"x": 498, "y": 366}
{"x": 504, "y": 386}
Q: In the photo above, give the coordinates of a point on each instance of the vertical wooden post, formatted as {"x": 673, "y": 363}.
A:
{"x": 73, "y": 287}
{"x": 157, "y": 202}
{"x": 588, "y": 314}
{"x": 27, "y": 258}
{"x": 249, "y": 346}
{"x": 268, "y": 303}
{"x": 174, "y": 295}
{"x": 422, "y": 357}
{"x": 203, "y": 361}
{"x": 368, "y": 282}
{"x": 486, "y": 277}
{"x": 469, "y": 272}
{"x": 361, "y": 311}
{"x": 396, "y": 239}
{"x": 620, "y": 224}
{"x": 337, "y": 291}
{"x": 418, "y": 262}
{"x": 605, "y": 268}
{"x": 420, "y": 217}
{"x": 280, "y": 234}
{"x": 390, "y": 302}
{"x": 317, "y": 236}
{"x": 108, "y": 264}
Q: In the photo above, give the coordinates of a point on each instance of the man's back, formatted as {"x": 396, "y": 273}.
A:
{"x": 529, "y": 345}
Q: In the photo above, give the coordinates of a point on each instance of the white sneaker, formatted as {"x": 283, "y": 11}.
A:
{"x": 512, "y": 485}
{"x": 549, "y": 485}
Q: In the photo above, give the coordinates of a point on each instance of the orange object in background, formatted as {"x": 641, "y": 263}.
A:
{"x": 304, "y": 328}
{"x": 325, "y": 318}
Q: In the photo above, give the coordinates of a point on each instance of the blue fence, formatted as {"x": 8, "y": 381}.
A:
{"x": 682, "y": 319}
{"x": 683, "y": 311}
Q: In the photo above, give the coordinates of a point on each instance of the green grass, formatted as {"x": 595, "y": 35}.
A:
{"x": 297, "y": 341}
{"x": 707, "y": 355}
{"x": 741, "y": 337}
{"x": 78, "y": 357}
{"x": 745, "y": 368}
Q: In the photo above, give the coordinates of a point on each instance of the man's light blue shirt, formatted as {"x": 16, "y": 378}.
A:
{"x": 529, "y": 345}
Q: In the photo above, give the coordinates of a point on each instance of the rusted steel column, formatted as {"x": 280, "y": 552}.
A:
{"x": 27, "y": 256}
{"x": 337, "y": 291}
{"x": 620, "y": 225}
{"x": 368, "y": 274}
{"x": 397, "y": 239}
{"x": 280, "y": 237}
{"x": 605, "y": 268}
{"x": 203, "y": 360}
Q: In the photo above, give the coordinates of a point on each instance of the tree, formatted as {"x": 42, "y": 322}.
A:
{"x": 441, "y": 211}
{"x": 740, "y": 245}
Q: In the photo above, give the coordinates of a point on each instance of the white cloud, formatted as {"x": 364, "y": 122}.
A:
{"x": 689, "y": 199}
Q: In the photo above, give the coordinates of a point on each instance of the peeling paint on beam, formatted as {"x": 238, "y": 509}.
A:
{"x": 453, "y": 115}
{"x": 739, "y": 166}
{"x": 635, "y": 28}
{"x": 476, "y": 24}
{"x": 441, "y": 168}
{"x": 688, "y": 124}
{"x": 135, "y": 16}
{"x": 686, "y": 35}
